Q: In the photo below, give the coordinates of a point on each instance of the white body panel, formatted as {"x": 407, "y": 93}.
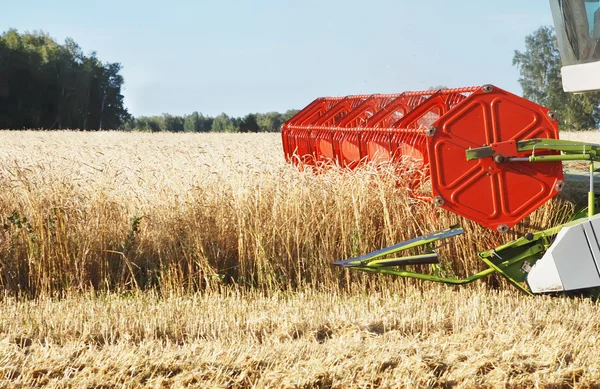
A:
{"x": 581, "y": 78}
{"x": 543, "y": 276}
{"x": 571, "y": 262}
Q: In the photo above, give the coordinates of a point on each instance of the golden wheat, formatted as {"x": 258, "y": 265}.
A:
{"x": 437, "y": 337}
{"x": 83, "y": 214}
{"x": 115, "y": 211}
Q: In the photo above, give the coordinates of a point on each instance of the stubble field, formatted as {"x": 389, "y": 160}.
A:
{"x": 202, "y": 260}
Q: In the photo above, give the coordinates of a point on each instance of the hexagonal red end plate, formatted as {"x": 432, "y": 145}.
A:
{"x": 495, "y": 195}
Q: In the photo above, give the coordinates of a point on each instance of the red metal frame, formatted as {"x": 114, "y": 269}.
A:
{"x": 495, "y": 194}
{"x": 426, "y": 135}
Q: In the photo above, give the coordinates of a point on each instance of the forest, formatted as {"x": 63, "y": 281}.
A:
{"x": 48, "y": 85}
{"x": 197, "y": 122}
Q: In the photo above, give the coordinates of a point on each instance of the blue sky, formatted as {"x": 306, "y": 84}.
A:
{"x": 242, "y": 56}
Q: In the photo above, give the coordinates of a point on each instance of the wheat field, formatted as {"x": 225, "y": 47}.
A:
{"x": 437, "y": 337}
{"x": 202, "y": 260}
{"x": 115, "y": 211}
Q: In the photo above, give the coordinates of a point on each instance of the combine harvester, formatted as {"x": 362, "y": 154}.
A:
{"x": 490, "y": 156}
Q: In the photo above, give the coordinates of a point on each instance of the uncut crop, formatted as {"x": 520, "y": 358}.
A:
{"x": 183, "y": 212}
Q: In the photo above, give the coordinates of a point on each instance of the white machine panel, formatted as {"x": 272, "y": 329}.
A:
{"x": 581, "y": 78}
{"x": 571, "y": 262}
{"x": 595, "y": 223}
{"x": 544, "y": 278}
{"x": 574, "y": 259}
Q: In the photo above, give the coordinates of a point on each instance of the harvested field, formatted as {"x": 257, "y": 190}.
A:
{"x": 202, "y": 260}
{"x": 437, "y": 337}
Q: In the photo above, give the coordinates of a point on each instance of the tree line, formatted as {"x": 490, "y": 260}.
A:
{"x": 47, "y": 85}
{"x": 197, "y": 122}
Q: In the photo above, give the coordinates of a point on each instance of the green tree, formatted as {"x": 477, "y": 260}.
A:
{"x": 192, "y": 123}
{"x": 172, "y": 123}
{"x": 541, "y": 82}
{"x": 154, "y": 123}
{"x": 249, "y": 124}
{"x": 224, "y": 123}
{"x": 269, "y": 122}
{"x": 44, "y": 84}
{"x": 145, "y": 123}
{"x": 288, "y": 115}
{"x": 207, "y": 123}
{"x": 112, "y": 110}
{"x": 197, "y": 122}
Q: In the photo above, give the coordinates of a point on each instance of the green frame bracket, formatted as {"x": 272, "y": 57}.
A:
{"x": 569, "y": 151}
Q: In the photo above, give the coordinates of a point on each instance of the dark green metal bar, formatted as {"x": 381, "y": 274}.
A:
{"x": 427, "y": 277}
{"x": 423, "y": 259}
{"x": 560, "y": 158}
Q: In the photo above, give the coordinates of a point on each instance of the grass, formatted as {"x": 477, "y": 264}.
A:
{"x": 187, "y": 260}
